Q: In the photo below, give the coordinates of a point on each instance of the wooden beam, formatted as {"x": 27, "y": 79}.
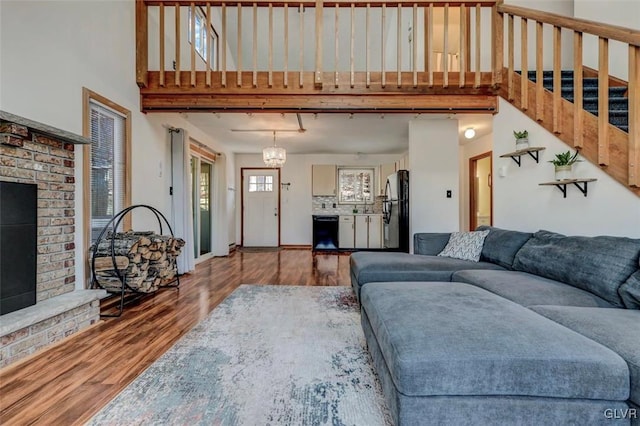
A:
{"x": 301, "y": 38}
{"x": 286, "y": 45}
{"x": 270, "y": 83}
{"x": 557, "y": 79}
{"x": 445, "y": 46}
{"x": 142, "y": 43}
{"x": 382, "y": 44}
{"x": 254, "y": 79}
{"x": 319, "y": 12}
{"x": 224, "y": 44}
{"x": 161, "y": 38}
{"x": 336, "y": 36}
{"x": 634, "y": 116}
{"x": 399, "y": 45}
{"x": 178, "y": 43}
{"x": 353, "y": 45}
{"x": 478, "y": 37}
{"x": 209, "y": 45}
{"x": 510, "y": 58}
{"x": 239, "y": 50}
{"x": 524, "y": 62}
{"x": 463, "y": 44}
{"x": 578, "y": 93}
{"x": 414, "y": 39}
{"x": 498, "y": 45}
{"x": 322, "y": 103}
{"x": 539, "y": 71}
{"x": 192, "y": 33}
{"x": 603, "y": 101}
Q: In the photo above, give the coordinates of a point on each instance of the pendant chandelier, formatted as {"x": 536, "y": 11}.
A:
{"x": 274, "y": 156}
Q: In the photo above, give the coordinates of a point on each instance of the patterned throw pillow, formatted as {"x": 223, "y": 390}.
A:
{"x": 465, "y": 245}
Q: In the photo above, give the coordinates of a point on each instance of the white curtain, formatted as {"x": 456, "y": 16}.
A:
{"x": 220, "y": 232}
{"x": 182, "y": 220}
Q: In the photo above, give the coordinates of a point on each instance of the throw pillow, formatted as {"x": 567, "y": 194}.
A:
{"x": 465, "y": 245}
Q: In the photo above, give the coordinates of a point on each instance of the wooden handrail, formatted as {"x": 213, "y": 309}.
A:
{"x": 612, "y": 32}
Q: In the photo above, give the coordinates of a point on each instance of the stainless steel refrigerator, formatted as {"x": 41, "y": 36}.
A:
{"x": 395, "y": 209}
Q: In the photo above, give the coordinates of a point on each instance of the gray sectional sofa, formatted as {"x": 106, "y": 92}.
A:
{"x": 543, "y": 330}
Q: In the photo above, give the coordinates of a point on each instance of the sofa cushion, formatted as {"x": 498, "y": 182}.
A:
{"x": 501, "y": 245}
{"x": 465, "y": 245}
{"x": 630, "y": 291}
{"x": 527, "y": 290}
{"x": 596, "y": 264}
{"x": 430, "y": 243}
{"x": 457, "y": 339}
{"x": 378, "y": 266}
{"x": 617, "y": 329}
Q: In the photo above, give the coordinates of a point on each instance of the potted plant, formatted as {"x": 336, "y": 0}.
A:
{"x": 563, "y": 163}
{"x": 522, "y": 140}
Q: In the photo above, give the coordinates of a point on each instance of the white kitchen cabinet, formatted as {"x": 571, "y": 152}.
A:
{"x": 346, "y": 232}
{"x": 375, "y": 231}
{"x": 362, "y": 231}
{"x": 323, "y": 179}
{"x": 368, "y": 231}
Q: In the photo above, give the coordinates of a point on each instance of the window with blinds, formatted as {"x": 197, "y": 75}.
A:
{"x": 108, "y": 165}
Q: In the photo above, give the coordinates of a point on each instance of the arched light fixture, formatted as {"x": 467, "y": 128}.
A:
{"x": 469, "y": 133}
{"x": 274, "y": 156}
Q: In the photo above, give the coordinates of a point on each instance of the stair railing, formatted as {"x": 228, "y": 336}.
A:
{"x": 609, "y": 141}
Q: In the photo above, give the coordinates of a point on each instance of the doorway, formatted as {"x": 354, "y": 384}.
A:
{"x": 201, "y": 208}
{"x": 480, "y": 190}
{"x": 260, "y": 207}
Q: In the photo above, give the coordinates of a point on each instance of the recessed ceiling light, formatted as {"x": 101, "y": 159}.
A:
{"x": 469, "y": 133}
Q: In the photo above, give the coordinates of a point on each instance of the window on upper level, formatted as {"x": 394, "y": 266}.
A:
{"x": 206, "y": 48}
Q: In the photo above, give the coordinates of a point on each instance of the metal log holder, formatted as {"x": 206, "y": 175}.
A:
{"x": 127, "y": 293}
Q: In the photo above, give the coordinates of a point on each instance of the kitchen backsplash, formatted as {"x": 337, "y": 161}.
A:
{"x": 343, "y": 209}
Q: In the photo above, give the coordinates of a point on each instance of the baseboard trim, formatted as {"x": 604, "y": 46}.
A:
{"x": 295, "y": 246}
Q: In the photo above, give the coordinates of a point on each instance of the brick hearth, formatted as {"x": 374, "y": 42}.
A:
{"x": 31, "y": 152}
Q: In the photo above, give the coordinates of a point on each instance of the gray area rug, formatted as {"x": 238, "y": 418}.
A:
{"x": 267, "y": 355}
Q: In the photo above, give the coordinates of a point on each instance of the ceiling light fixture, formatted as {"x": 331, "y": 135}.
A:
{"x": 274, "y": 156}
{"x": 469, "y": 133}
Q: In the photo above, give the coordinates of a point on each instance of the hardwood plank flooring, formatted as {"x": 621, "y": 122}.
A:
{"x": 69, "y": 382}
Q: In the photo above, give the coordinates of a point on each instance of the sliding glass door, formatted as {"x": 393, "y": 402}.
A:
{"x": 201, "y": 208}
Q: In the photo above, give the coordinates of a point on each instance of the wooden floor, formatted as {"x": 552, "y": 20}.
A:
{"x": 68, "y": 383}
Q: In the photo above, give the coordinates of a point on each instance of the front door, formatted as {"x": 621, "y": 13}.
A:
{"x": 260, "y": 207}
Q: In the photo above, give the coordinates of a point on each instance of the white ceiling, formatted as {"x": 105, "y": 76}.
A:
{"x": 326, "y": 133}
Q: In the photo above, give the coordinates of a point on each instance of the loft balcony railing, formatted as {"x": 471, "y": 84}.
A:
{"x": 276, "y": 55}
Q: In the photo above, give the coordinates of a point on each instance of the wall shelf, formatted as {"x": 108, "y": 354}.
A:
{"x": 533, "y": 152}
{"x": 581, "y": 184}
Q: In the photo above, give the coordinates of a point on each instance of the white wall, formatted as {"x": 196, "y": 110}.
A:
{"x": 433, "y": 165}
{"x": 520, "y": 203}
{"x": 68, "y": 45}
{"x": 467, "y": 151}
{"x": 295, "y": 215}
{"x": 624, "y": 13}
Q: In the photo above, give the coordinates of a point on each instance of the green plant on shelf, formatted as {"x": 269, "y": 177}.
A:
{"x": 521, "y": 135}
{"x": 565, "y": 159}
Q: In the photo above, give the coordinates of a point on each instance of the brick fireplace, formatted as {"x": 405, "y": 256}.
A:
{"x": 35, "y": 153}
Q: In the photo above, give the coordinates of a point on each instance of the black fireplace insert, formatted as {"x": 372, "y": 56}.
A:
{"x": 18, "y": 239}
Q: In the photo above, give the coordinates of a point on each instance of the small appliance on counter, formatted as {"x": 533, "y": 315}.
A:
{"x": 325, "y": 232}
{"x": 395, "y": 210}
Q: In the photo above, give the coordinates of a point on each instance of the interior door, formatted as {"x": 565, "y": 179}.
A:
{"x": 480, "y": 191}
{"x": 260, "y": 212}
